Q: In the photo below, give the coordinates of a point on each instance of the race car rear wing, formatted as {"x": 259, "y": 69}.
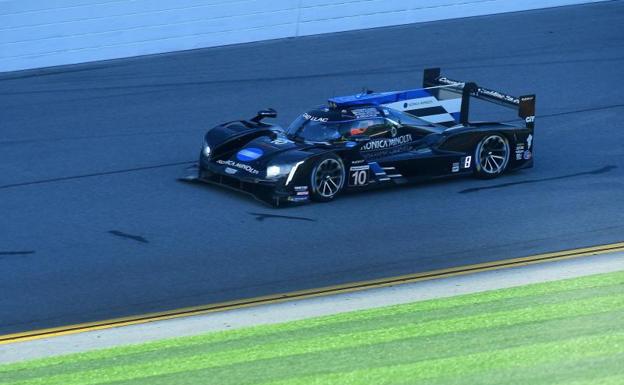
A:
{"x": 434, "y": 81}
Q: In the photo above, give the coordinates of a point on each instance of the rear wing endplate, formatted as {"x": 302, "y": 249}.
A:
{"x": 525, "y": 104}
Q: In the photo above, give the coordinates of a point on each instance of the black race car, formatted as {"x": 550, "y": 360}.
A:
{"x": 370, "y": 139}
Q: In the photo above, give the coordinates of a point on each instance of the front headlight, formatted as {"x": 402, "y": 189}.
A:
{"x": 206, "y": 150}
{"x": 275, "y": 171}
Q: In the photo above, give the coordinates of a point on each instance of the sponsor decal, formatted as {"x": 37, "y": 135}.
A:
{"x": 529, "y": 119}
{"x": 519, "y": 151}
{"x": 527, "y": 155}
{"x": 455, "y": 167}
{"x": 381, "y": 144}
{"x": 229, "y": 170}
{"x": 445, "y": 80}
{"x": 351, "y": 144}
{"x": 383, "y": 153}
{"x": 240, "y": 166}
{"x": 393, "y": 131}
{"x": 529, "y": 141}
{"x": 419, "y": 102}
{"x": 498, "y": 95}
{"x": 301, "y": 188}
{"x": 365, "y": 112}
{"x": 314, "y": 118}
{"x": 358, "y": 161}
{"x": 297, "y": 198}
{"x": 249, "y": 154}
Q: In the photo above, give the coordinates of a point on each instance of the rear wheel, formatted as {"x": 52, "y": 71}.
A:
{"x": 327, "y": 178}
{"x": 491, "y": 156}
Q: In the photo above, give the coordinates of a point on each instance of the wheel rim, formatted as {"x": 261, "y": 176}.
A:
{"x": 328, "y": 178}
{"x": 493, "y": 154}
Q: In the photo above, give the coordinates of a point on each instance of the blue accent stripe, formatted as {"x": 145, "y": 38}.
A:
{"x": 376, "y": 168}
{"x": 379, "y": 98}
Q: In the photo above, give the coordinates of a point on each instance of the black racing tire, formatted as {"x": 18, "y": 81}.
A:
{"x": 327, "y": 178}
{"x": 491, "y": 156}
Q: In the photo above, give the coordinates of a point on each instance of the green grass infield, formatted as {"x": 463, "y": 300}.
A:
{"x": 562, "y": 332}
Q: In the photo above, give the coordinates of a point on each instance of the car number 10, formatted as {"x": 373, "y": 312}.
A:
{"x": 359, "y": 176}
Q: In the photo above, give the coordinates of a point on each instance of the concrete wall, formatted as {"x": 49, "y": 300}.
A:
{"x": 41, "y": 33}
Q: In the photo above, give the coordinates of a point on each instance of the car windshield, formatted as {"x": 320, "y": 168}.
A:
{"x": 318, "y": 130}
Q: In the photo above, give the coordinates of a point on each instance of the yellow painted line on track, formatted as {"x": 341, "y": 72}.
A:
{"x": 310, "y": 293}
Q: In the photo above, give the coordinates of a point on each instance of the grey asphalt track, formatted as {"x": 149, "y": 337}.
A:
{"x": 94, "y": 225}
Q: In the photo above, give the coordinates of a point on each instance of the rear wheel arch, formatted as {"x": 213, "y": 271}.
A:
{"x": 492, "y": 154}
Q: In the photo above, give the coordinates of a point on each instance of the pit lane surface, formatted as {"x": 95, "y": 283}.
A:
{"x": 94, "y": 225}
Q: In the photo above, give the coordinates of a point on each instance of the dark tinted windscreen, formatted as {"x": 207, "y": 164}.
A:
{"x": 315, "y": 131}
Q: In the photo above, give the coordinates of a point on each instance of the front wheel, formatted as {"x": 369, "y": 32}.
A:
{"x": 327, "y": 178}
{"x": 491, "y": 156}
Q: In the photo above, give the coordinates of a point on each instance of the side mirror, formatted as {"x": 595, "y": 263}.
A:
{"x": 268, "y": 113}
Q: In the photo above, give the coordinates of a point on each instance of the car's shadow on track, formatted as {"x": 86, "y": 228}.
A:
{"x": 381, "y": 191}
{"x": 598, "y": 171}
{"x": 385, "y": 191}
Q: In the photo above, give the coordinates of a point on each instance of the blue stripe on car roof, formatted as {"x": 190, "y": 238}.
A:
{"x": 379, "y": 98}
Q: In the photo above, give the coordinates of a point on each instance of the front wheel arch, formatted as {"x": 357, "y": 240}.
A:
{"x": 327, "y": 177}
